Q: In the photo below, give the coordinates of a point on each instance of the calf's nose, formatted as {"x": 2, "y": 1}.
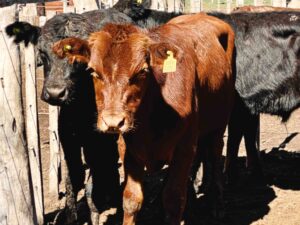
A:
{"x": 114, "y": 122}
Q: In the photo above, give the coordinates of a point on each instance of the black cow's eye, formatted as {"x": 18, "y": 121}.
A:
{"x": 43, "y": 56}
{"x": 43, "y": 59}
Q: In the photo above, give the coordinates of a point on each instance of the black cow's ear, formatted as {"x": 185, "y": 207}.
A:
{"x": 22, "y": 31}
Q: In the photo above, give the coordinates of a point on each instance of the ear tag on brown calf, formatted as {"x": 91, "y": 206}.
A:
{"x": 67, "y": 48}
{"x": 169, "y": 63}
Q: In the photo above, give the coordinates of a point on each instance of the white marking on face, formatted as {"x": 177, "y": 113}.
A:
{"x": 114, "y": 71}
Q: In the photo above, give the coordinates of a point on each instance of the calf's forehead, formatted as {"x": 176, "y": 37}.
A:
{"x": 119, "y": 59}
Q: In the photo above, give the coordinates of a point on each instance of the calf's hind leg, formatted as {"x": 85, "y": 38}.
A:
{"x": 215, "y": 189}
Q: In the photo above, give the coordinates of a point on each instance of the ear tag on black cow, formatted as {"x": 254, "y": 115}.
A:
{"x": 67, "y": 48}
{"x": 169, "y": 63}
{"x": 16, "y": 30}
{"x": 139, "y": 1}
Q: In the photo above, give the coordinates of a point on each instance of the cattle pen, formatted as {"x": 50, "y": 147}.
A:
{"x": 31, "y": 160}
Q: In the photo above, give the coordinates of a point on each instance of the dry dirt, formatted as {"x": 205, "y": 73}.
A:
{"x": 276, "y": 203}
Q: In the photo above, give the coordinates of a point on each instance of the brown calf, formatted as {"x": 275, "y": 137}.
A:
{"x": 160, "y": 114}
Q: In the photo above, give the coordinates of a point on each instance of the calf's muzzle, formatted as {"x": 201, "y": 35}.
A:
{"x": 112, "y": 123}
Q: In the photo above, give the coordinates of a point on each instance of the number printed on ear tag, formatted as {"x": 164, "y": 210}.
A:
{"x": 169, "y": 63}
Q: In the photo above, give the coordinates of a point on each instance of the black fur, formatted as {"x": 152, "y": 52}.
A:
{"x": 142, "y": 15}
{"x": 267, "y": 60}
{"x": 267, "y": 70}
{"x": 22, "y": 31}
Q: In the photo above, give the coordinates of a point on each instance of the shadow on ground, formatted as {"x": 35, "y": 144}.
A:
{"x": 245, "y": 202}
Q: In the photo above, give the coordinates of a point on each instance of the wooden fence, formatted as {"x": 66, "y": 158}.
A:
{"x": 22, "y": 185}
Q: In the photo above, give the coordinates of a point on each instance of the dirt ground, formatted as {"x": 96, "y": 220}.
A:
{"x": 276, "y": 203}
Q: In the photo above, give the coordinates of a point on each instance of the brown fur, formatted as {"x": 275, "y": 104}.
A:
{"x": 251, "y": 8}
{"x": 160, "y": 116}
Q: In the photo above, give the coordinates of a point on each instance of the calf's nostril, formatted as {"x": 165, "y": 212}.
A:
{"x": 121, "y": 123}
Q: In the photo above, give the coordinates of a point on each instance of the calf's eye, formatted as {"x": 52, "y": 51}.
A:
{"x": 138, "y": 76}
{"x": 144, "y": 70}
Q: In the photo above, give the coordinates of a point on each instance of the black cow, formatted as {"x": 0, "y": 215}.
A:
{"x": 267, "y": 77}
{"x": 71, "y": 88}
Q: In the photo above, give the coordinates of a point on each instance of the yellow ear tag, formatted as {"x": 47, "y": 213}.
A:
{"x": 67, "y": 48}
{"x": 169, "y": 63}
{"x": 139, "y": 1}
{"x": 16, "y": 30}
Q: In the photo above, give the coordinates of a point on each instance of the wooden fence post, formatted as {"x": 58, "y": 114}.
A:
{"x": 294, "y": 4}
{"x": 66, "y": 8}
{"x": 55, "y": 160}
{"x": 196, "y": 6}
{"x": 258, "y": 2}
{"x": 240, "y": 2}
{"x": 228, "y": 6}
{"x": 16, "y": 192}
{"x": 28, "y": 13}
{"x": 279, "y": 3}
{"x": 85, "y": 5}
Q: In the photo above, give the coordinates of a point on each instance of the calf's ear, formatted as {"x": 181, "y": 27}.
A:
{"x": 159, "y": 52}
{"x": 173, "y": 79}
{"x": 75, "y": 49}
{"x": 164, "y": 59}
{"x": 22, "y": 31}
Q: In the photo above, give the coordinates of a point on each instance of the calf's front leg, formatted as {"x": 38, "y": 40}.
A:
{"x": 133, "y": 193}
